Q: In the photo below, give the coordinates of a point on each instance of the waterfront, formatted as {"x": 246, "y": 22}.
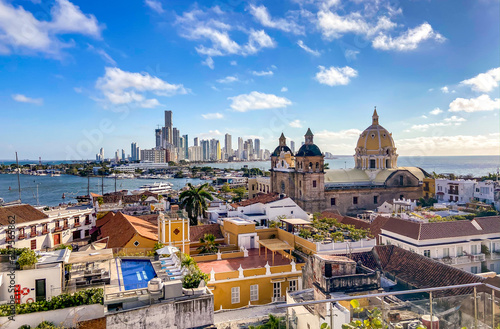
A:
{"x": 51, "y": 189}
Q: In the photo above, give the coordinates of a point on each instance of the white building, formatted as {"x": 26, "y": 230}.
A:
{"x": 43, "y": 281}
{"x": 460, "y": 191}
{"x": 267, "y": 207}
{"x": 485, "y": 191}
{"x": 456, "y": 243}
{"x": 38, "y": 230}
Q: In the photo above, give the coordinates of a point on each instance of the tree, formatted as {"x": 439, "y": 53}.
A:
{"x": 225, "y": 188}
{"x": 27, "y": 258}
{"x": 194, "y": 200}
{"x": 209, "y": 245}
{"x": 240, "y": 193}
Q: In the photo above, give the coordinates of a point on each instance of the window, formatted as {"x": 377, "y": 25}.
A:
{"x": 21, "y": 233}
{"x": 473, "y": 269}
{"x": 401, "y": 197}
{"x": 473, "y": 249}
{"x": 401, "y": 180}
{"x": 276, "y": 290}
{"x": 77, "y": 221}
{"x": 375, "y": 199}
{"x": 45, "y": 228}
{"x": 314, "y": 183}
{"x": 355, "y": 200}
{"x": 136, "y": 243}
{"x": 33, "y": 231}
{"x": 235, "y": 295}
{"x": 446, "y": 252}
{"x": 427, "y": 253}
{"x": 292, "y": 285}
{"x": 492, "y": 267}
{"x": 57, "y": 224}
{"x": 372, "y": 163}
{"x": 33, "y": 244}
{"x": 65, "y": 223}
{"x": 460, "y": 251}
{"x": 253, "y": 187}
{"x": 332, "y": 201}
{"x": 254, "y": 292}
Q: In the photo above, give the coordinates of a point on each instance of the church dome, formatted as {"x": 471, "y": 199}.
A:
{"x": 375, "y": 138}
{"x": 279, "y": 149}
{"x": 309, "y": 148}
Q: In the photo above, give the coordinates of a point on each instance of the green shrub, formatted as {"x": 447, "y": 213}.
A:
{"x": 27, "y": 258}
{"x": 83, "y": 297}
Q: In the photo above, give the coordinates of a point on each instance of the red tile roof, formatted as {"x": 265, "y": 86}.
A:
{"x": 121, "y": 228}
{"x": 199, "y": 231}
{"x": 23, "y": 213}
{"x": 261, "y": 198}
{"x": 440, "y": 230}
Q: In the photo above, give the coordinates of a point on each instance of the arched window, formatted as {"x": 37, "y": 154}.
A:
{"x": 282, "y": 187}
{"x": 317, "y": 165}
{"x": 282, "y": 163}
{"x": 387, "y": 163}
{"x": 310, "y": 165}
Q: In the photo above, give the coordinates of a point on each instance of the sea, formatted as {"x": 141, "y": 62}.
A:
{"x": 46, "y": 190}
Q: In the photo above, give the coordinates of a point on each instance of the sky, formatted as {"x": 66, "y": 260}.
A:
{"x": 80, "y": 75}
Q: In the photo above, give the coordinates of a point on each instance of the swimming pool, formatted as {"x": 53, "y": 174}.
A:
{"x": 136, "y": 273}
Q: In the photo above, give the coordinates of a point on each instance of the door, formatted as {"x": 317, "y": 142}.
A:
{"x": 40, "y": 292}
{"x": 57, "y": 239}
{"x": 252, "y": 242}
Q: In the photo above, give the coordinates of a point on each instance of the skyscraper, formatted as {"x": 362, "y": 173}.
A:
{"x": 123, "y": 155}
{"x": 240, "y": 148}
{"x": 133, "y": 151}
{"x": 228, "y": 145}
{"x": 196, "y": 141}
{"x": 186, "y": 146}
{"x": 168, "y": 119}
{"x": 167, "y": 134}
{"x": 158, "y": 137}
{"x": 257, "y": 148}
{"x": 292, "y": 146}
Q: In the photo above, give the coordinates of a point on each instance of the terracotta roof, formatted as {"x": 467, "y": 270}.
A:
{"x": 440, "y": 230}
{"x": 121, "y": 228}
{"x": 261, "y": 198}
{"x": 366, "y": 258}
{"x": 24, "y": 213}
{"x": 419, "y": 271}
{"x": 199, "y": 231}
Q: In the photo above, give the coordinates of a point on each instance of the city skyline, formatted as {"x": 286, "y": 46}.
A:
{"x": 234, "y": 69}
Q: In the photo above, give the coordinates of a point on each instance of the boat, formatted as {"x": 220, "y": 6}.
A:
{"x": 159, "y": 188}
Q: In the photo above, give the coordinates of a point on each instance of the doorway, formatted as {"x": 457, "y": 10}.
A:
{"x": 57, "y": 239}
{"x": 40, "y": 291}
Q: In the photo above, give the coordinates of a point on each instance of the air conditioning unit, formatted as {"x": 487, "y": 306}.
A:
{"x": 155, "y": 286}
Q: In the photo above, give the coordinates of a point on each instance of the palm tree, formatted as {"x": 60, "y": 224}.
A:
{"x": 194, "y": 200}
{"x": 209, "y": 245}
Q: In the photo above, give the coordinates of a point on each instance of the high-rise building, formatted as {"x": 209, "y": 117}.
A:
{"x": 240, "y": 148}
{"x": 186, "y": 146}
{"x": 134, "y": 153}
{"x": 218, "y": 154}
{"x": 196, "y": 141}
{"x": 117, "y": 156}
{"x": 257, "y": 148}
{"x": 168, "y": 119}
{"x": 123, "y": 155}
{"x": 292, "y": 146}
{"x": 158, "y": 138}
{"x": 175, "y": 137}
{"x": 154, "y": 155}
{"x": 205, "y": 150}
{"x": 228, "y": 145}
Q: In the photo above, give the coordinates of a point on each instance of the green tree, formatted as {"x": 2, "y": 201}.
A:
{"x": 209, "y": 245}
{"x": 194, "y": 200}
{"x": 27, "y": 258}
{"x": 225, "y": 188}
{"x": 240, "y": 193}
{"x": 64, "y": 246}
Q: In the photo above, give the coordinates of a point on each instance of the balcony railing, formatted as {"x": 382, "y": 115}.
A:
{"x": 78, "y": 224}
{"x": 495, "y": 255}
{"x": 33, "y": 234}
{"x": 58, "y": 229}
{"x": 477, "y": 258}
{"x": 45, "y": 231}
{"x": 21, "y": 236}
{"x": 463, "y": 259}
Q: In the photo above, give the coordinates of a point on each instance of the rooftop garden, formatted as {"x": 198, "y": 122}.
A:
{"x": 330, "y": 230}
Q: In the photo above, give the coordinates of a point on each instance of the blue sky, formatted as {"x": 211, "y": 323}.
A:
{"x": 80, "y": 75}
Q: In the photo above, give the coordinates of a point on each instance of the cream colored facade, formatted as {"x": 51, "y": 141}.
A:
{"x": 258, "y": 185}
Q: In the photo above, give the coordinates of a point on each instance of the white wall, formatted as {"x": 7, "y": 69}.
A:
{"x": 67, "y": 317}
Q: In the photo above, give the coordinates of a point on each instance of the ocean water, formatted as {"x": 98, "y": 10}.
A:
{"x": 51, "y": 189}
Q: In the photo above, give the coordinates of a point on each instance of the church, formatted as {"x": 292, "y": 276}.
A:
{"x": 375, "y": 179}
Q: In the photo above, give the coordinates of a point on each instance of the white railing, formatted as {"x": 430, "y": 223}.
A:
{"x": 495, "y": 255}
{"x": 343, "y": 246}
{"x": 279, "y": 299}
{"x": 478, "y": 257}
{"x": 462, "y": 260}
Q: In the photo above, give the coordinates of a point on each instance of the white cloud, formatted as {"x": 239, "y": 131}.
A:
{"x": 342, "y": 134}
{"x": 334, "y": 26}
{"x": 121, "y": 87}
{"x": 233, "y": 63}
{"x": 487, "y": 144}
{"x": 211, "y": 116}
{"x": 25, "y": 99}
{"x": 214, "y": 36}
{"x": 351, "y": 54}
{"x": 424, "y": 116}
{"x": 262, "y": 15}
{"x": 481, "y": 103}
{"x": 334, "y": 76}
{"x": 484, "y": 82}
{"x": 436, "y": 111}
{"x": 78, "y": 90}
{"x": 451, "y": 121}
{"x": 104, "y": 55}
{"x": 445, "y": 90}
{"x": 340, "y": 142}
{"x": 257, "y": 101}
{"x": 263, "y": 73}
{"x": 307, "y": 49}
{"x": 209, "y": 62}
{"x": 295, "y": 124}
{"x": 408, "y": 40}
{"x": 284, "y": 89}
{"x": 21, "y": 31}
{"x": 228, "y": 79}
{"x": 210, "y": 134}
{"x": 155, "y": 5}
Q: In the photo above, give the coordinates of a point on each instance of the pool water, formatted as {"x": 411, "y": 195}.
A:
{"x": 136, "y": 273}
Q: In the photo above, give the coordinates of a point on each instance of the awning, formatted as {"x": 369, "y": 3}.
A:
{"x": 295, "y": 221}
{"x": 88, "y": 256}
{"x": 278, "y": 280}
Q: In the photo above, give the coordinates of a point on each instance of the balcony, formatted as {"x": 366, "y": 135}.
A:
{"x": 65, "y": 227}
{"x": 463, "y": 259}
{"x": 477, "y": 258}
{"x": 22, "y": 236}
{"x": 454, "y": 260}
{"x": 78, "y": 224}
{"x": 58, "y": 229}
{"x": 33, "y": 234}
{"x": 45, "y": 231}
{"x": 495, "y": 255}
{"x": 87, "y": 222}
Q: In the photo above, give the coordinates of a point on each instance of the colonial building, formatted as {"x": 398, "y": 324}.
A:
{"x": 376, "y": 177}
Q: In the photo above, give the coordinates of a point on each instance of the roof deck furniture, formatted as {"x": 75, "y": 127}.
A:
{"x": 275, "y": 245}
{"x": 291, "y": 223}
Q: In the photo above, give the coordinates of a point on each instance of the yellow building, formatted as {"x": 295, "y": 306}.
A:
{"x": 173, "y": 230}
{"x": 429, "y": 190}
{"x": 258, "y": 185}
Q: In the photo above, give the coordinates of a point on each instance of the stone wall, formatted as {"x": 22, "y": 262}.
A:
{"x": 189, "y": 313}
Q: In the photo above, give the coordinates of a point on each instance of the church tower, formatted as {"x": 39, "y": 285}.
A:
{"x": 310, "y": 175}
{"x": 282, "y": 169}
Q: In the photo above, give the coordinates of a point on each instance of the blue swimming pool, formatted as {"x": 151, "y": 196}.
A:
{"x": 136, "y": 273}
